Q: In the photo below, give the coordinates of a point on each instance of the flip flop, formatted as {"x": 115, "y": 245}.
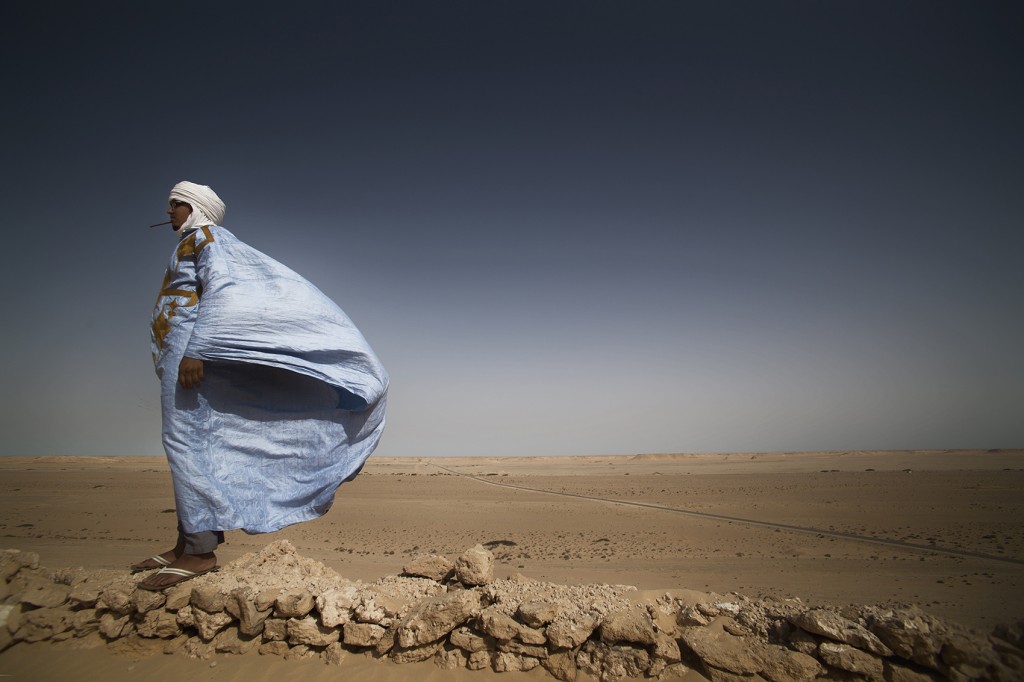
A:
{"x": 182, "y": 573}
{"x": 137, "y": 568}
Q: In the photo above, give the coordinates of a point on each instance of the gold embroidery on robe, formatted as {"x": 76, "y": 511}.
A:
{"x": 187, "y": 247}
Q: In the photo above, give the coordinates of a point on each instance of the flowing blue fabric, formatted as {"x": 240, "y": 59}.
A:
{"x": 293, "y": 398}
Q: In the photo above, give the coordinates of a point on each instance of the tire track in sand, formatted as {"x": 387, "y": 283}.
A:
{"x": 897, "y": 544}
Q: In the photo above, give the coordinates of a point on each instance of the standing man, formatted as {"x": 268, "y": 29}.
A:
{"x": 270, "y": 396}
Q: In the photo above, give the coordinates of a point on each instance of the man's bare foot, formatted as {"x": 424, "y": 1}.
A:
{"x": 183, "y": 566}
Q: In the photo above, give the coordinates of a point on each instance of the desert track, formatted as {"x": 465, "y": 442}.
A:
{"x": 754, "y": 522}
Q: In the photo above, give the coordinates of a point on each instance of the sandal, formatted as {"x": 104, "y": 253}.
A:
{"x": 156, "y": 558}
{"x": 182, "y": 573}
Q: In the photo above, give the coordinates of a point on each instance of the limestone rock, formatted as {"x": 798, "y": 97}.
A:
{"x": 910, "y": 633}
{"x": 10, "y": 616}
{"x": 782, "y": 665}
{"x": 114, "y": 600}
{"x": 416, "y": 653}
{"x": 530, "y": 636}
{"x": 435, "y": 617}
{"x": 178, "y": 597}
{"x": 1008, "y": 651}
{"x": 721, "y": 650}
{"x": 13, "y": 560}
{"x": 561, "y": 665}
{"x": 209, "y": 598}
{"x": 719, "y": 675}
{"x": 334, "y": 654}
{"x": 382, "y": 608}
{"x": 44, "y": 594}
{"x": 415, "y": 618}
{"x": 144, "y": 601}
{"x": 803, "y": 641}
{"x": 393, "y": 605}
{"x": 899, "y": 673}
{"x": 505, "y": 662}
{"x": 335, "y": 605}
{"x": 274, "y": 648}
{"x": 433, "y": 566}
{"x": 28, "y": 560}
{"x": 919, "y": 637}
{"x": 195, "y": 647}
{"x": 734, "y": 628}
{"x": 1011, "y": 633}
{"x": 664, "y": 619}
{"x": 387, "y": 641}
{"x": 85, "y": 621}
{"x": 468, "y": 640}
{"x": 846, "y": 657}
{"x": 43, "y": 624}
{"x": 234, "y": 600}
{"x": 265, "y": 599}
{"x": 63, "y": 635}
{"x": 475, "y": 566}
{"x": 632, "y": 625}
{"x": 299, "y": 652}
{"x": 84, "y": 594}
{"x": 309, "y": 632}
{"x": 569, "y": 633}
{"x": 666, "y": 648}
{"x": 275, "y": 629}
{"x": 450, "y": 659}
{"x": 498, "y": 624}
{"x": 174, "y": 646}
{"x": 610, "y": 662}
{"x": 514, "y": 646}
{"x": 240, "y": 604}
{"x": 229, "y": 641}
{"x": 501, "y": 626}
{"x": 479, "y": 660}
{"x": 362, "y": 634}
{"x": 158, "y": 624}
{"x": 839, "y": 629}
{"x": 293, "y": 604}
{"x": 209, "y": 624}
{"x": 960, "y": 650}
{"x": 367, "y": 611}
{"x": 673, "y": 671}
{"x": 113, "y": 626}
{"x": 186, "y": 617}
{"x": 537, "y": 613}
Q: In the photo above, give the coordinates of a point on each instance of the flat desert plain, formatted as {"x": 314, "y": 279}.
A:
{"x": 941, "y": 529}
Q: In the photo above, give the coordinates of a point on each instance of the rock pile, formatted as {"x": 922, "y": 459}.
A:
{"x": 455, "y": 613}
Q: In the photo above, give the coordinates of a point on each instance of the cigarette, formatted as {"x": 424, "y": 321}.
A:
{"x": 159, "y": 224}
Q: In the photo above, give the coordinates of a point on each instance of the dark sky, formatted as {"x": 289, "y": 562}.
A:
{"x": 565, "y": 227}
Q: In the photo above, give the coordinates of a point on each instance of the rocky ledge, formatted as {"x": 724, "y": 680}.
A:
{"x": 455, "y": 613}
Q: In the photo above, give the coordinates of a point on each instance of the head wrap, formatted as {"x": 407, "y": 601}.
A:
{"x": 207, "y": 208}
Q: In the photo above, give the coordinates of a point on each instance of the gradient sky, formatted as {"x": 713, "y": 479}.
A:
{"x": 572, "y": 227}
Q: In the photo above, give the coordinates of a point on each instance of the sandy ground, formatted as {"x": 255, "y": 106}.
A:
{"x": 798, "y": 524}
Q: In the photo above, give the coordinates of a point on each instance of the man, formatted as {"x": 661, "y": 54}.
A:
{"x": 270, "y": 396}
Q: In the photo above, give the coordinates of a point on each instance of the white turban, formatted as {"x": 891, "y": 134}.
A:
{"x": 207, "y": 208}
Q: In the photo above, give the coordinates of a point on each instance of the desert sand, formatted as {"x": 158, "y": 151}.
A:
{"x": 940, "y": 529}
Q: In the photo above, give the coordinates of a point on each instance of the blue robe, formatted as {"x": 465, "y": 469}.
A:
{"x": 293, "y": 398}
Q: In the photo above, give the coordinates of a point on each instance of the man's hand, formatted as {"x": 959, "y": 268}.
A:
{"x": 190, "y": 372}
